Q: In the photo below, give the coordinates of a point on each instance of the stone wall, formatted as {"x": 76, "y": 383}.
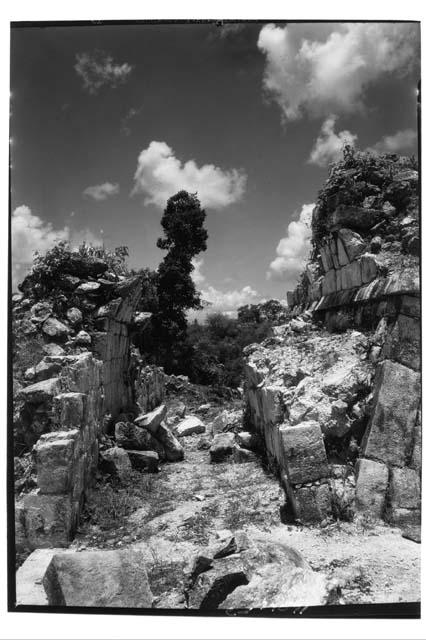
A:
{"x": 89, "y": 375}
{"x": 363, "y": 275}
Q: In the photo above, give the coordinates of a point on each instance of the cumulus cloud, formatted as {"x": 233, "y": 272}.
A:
{"x": 98, "y": 69}
{"x": 329, "y": 144}
{"x": 102, "y": 191}
{"x": 220, "y": 301}
{"x": 293, "y": 249}
{"x": 229, "y": 301}
{"x": 30, "y": 234}
{"x": 400, "y": 141}
{"x": 318, "y": 69}
{"x": 159, "y": 175}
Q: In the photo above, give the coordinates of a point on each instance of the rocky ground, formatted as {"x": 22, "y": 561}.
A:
{"x": 174, "y": 516}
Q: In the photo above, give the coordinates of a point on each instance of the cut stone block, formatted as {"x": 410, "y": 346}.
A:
{"x": 368, "y": 268}
{"x": 152, "y": 420}
{"x": 98, "y": 579}
{"x": 329, "y": 283}
{"x": 172, "y": 447}
{"x": 351, "y": 275}
{"x": 55, "y": 454}
{"x": 40, "y": 391}
{"x": 403, "y": 342}
{"x": 117, "y": 462}
{"x": 371, "y": 487}
{"x": 304, "y": 452}
{"x": 404, "y": 488}
{"x": 352, "y": 243}
{"x": 222, "y": 447}
{"x": 312, "y": 504}
{"x": 190, "y": 426}
{"x": 389, "y": 437}
{"x": 50, "y": 520}
{"x": 144, "y": 460}
{"x": 68, "y": 410}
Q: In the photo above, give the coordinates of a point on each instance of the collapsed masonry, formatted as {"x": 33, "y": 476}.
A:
{"x": 89, "y": 375}
{"x": 341, "y": 381}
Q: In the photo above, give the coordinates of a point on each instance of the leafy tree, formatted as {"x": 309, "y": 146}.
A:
{"x": 184, "y": 238}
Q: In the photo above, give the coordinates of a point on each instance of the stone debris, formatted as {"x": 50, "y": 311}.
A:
{"x": 190, "y": 426}
{"x": 222, "y": 447}
{"x": 144, "y": 460}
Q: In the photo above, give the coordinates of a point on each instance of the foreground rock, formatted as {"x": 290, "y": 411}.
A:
{"x": 116, "y": 461}
{"x": 98, "y": 579}
{"x": 190, "y": 426}
{"x": 255, "y": 572}
{"x": 222, "y": 447}
{"x": 144, "y": 461}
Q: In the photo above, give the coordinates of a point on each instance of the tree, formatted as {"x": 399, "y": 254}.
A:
{"x": 184, "y": 238}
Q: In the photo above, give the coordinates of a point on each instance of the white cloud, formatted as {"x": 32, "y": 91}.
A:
{"x": 220, "y": 301}
{"x": 329, "y": 144}
{"x": 126, "y": 120}
{"x": 159, "y": 175}
{"x": 293, "y": 249}
{"x": 30, "y": 234}
{"x": 197, "y": 276}
{"x": 229, "y": 301}
{"x": 320, "y": 69}
{"x": 98, "y": 69}
{"x": 102, "y": 191}
{"x": 400, "y": 141}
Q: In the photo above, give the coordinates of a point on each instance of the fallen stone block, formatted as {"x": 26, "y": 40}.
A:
{"x": 190, "y": 426}
{"x": 50, "y": 520}
{"x": 42, "y": 371}
{"x": 116, "y": 461}
{"x": 129, "y": 436}
{"x": 222, "y": 447}
{"x": 152, "y": 420}
{"x": 214, "y": 585}
{"x": 172, "y": 447}
{"x": 371, "y": 487}
{"x": 144, "y": 461}
{"x": 29, "y": 578}
{"x": 42, "y": 391}
{"x": 98, "y": 579}
{"x": 304, "y": 452}
{"x": 245, "y": 439}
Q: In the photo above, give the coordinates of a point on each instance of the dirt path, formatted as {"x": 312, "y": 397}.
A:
{"x": 170, "y": 515}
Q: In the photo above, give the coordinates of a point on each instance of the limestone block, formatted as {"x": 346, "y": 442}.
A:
{"x": 68, "y": 410}
{"x": 190, "y": 426}
{"x": 368, "y": 268}
{"x": 332, "y": 247}
{"x": 55, "y": 329}
{"x": 152, "y": 420}
{"x": 371, "y": 486}
{"x": 338, "y": 280}
{"x": 50, "y": 520}
{"x": 351, "y": 275}
{"x": 172, "y": 447}
{"x": 312, "y": 504}
{"x": 404, "y": 488}
{"x": 116, "y": 462}
{"x": 403, "y": 342}
{"x": 55, "y": 455}
{"x": 222, "y": 446}
{"x": 327, "y": 262}
{"x": 98, "y": 579}
{"x": 410, "y": 306}
{"x": 352, "y": 244}
{"x": 42, "y": 391}
{"x": 390, "y": 433}
{"x": 144, "y": 460}
{"x": 30, "y": 575}
{"x": 42, "y": 371}
{"x": 329, "y": 283}
{"x": 304, "y": 452}
{"x": 341, "y": 253}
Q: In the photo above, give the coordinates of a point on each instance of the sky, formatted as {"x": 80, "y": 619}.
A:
{"x": 107, "y": 122}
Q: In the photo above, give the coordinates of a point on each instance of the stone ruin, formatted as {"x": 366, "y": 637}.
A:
{"x": 344, "y": 374}
{"x": 66, "y": 403}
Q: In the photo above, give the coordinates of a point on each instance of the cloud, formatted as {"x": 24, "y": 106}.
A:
{"x": 318, "y": 69}
{"x": 197, "y": 276}
{"x": 126, "y": 119}
{"x": 403, "y": 140}
{"x": 102, "y": 191}
{"x": 98, "y": 69}
{"x": 329, "y": 145}
{"x": 30, "y": 234}
{"x": 293, "y": 249}
{"x": 160, "y": 175}
{"x": 220, "y": 301}
{"x": 229, "y": 301}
